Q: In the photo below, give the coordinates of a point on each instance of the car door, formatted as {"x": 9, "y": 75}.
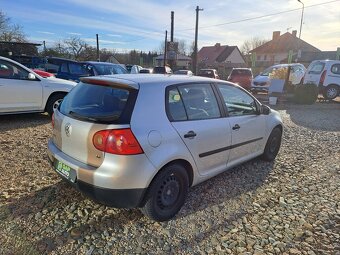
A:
{"x": 17, "y": 91}
{"x": 195, "y": 114}
{"x": 247, "y": 126}
{"x": 313, "y": 73}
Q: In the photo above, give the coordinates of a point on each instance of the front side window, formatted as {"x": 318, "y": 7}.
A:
{"x": 316, "y": 68}
{"x": 77, "y": 69}
{"x": 335, "y": 69}
{"x": 199, "y": 101}
{"x": 12, "y": 71}
{"x": 237, "y": 101}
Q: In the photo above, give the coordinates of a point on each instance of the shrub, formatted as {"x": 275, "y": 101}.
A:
{"x": 306, "y": 94}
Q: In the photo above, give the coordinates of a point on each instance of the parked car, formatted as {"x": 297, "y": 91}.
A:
{"x": 242, "y": 77}
{"x": 72, "y": 70}
{"x": 210, "y": 73}
{"x": 262, "y": 81}
{"x": 23, "y": 91}
{"x": 103, "y": 68}
{"x": 105, "y": 145}
{"x": 162, "y": 70}
{"x": 146, "y": 70}
{"x": 42, "y": 73}
{"x": 326, "y": 75}
{"x": 135, "y": 69}
{"x": 183, "y": 72}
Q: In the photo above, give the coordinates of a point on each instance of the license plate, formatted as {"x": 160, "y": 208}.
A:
{"x": 65, "y": 171}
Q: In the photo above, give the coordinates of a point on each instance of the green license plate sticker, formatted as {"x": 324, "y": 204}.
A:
{"x": 65, "y": 171}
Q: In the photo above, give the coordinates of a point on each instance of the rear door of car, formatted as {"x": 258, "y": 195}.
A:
{"x": 333, "y": 75}
{"x": 247, "y": 126}
{"x": 195, "y": 113}
{"x": 314, "y": 72}
{"x": 17, "y": 92}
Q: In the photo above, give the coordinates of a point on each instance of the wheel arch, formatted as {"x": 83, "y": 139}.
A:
{"x": 53, "y": 94}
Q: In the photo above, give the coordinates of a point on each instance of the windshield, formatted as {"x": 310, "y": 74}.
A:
{"x": 105, "y": 69}
{"x": 97, "y": 103}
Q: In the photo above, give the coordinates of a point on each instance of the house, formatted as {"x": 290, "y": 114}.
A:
{"x": 277, "y": 50}
{"x": 220, "y": 56}
{"x": 306, "y": 57}
{"x": 182, "y": 62}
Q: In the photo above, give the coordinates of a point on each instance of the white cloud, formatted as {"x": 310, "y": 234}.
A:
{"x": 73, "y": 33}
{"x": 46, "y": 32}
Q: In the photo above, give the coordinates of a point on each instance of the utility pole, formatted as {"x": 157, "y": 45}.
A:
{"x": 303, "y": 8}
{"x": 172, "y": 27}
{"x": 44, "y": 47}
{"x": 196, "y": 35}
{"x": 172, "y": 48}
{"x": 98, "y": 57}
{"x": 165, "y": 50}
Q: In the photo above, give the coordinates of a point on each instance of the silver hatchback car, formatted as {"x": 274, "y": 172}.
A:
{"x": 142, "y": 141}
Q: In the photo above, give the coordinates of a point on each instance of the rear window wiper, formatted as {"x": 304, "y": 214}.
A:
{"x": 78, "y": 116}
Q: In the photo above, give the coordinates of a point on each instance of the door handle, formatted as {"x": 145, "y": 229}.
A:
{"x": 236, "y": 127}
{"x": 190, "y": 134}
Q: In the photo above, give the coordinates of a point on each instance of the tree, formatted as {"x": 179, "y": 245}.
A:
{"x": 10, "y": 32}
{"x": 75, "y": 46}
{"x": 251, "y": 44}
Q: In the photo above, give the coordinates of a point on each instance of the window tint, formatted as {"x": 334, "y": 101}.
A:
{"x": 77, "y": 69}
{"x": 335, "y": 69}
{"x": 175, "y": 106}
{"x": 107, "y": 69}
{"x": 199, "y": 102}
{"x": 95, "y": 103}
{"x": 317, "y": 68}
{"x": 64, "y": 68}
{"x": 241, "y": 72}
{"x": 12, "y": 71}
{"x": 237, "y": 101}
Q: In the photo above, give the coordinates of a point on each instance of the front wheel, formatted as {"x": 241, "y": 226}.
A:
{"x": 273, "y": 145}
{"x": 53, "y": 103}
{"x": 331, "y": 92}
{"x": 167, "y": 193}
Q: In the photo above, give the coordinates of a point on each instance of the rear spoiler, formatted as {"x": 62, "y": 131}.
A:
{"x": 111, "y": 82}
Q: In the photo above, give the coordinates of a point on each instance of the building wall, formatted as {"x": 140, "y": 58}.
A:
{"x": 235, "y": 58}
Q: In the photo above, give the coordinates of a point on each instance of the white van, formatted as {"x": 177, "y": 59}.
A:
{"x": 326, "y": 75}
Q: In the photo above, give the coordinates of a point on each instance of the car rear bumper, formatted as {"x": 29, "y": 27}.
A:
{"x": 115, "y": 191}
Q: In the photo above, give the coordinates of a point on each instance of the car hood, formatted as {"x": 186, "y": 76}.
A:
{"x": 59, "y": 81}
{"x": 261, "y": 78}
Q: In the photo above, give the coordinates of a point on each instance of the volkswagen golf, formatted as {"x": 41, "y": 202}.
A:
{"x": 143, "y": 141}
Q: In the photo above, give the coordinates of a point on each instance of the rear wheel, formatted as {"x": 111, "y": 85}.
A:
{"x": 167, "y": 193}
{"x": 53, "y": 103}
{"x": 273, "y": 145}
{"x": 331, "y": 92}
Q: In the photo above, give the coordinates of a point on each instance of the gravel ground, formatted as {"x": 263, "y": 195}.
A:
{"x": 290, "y": 206}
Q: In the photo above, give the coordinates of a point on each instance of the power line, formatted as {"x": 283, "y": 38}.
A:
{"x": 259, "y": 17}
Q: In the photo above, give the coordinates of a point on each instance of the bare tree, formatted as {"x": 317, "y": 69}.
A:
{"x": 75, "y": 45}
{"x": 251, "y": 44}
{"x": 10, "y": 32}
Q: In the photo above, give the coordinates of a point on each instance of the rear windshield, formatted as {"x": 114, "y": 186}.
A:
{"x": 101, "y": 104}
{"x": 242, "y": 72}
{"x": 159, "y": 69}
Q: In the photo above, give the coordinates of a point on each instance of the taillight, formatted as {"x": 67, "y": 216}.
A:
{"x": 117, "y": 141}
{"x": 322, "y": 79}
{"x": 52, "y": 121}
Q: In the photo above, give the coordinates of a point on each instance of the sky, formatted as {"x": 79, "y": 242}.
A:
{"x": 124, "y": 25}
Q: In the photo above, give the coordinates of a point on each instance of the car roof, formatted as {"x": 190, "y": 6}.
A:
{"x": 95, "y": 62}
{"x": 136, "y": 80}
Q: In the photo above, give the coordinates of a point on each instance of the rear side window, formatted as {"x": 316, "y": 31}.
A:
{"x": 316, "y": 68}
{"x": 102, "y": 104}
{"x": 192, "y": 102}
{"x": 77, "y": 69}
{"x": 335, "y": 69}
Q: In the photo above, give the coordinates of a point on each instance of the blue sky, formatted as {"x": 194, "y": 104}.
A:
{"x": 140, "y": 25}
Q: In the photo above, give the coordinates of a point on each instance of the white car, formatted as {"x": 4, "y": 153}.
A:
{"x": 23, "y": 91}
{"x": 326, "y": 75}
{"x": 263, "y": 80}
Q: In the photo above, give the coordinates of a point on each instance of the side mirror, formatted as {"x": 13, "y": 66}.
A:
{"x": 265, "y": 109}
{"x": 31, "y": 76}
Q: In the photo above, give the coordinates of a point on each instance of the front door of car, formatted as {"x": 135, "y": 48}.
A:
{"x": 17, "y": 91}
{"x": 196, "y": 116}
{"x": 314, "y": 72}
{"x": 247, "y": 126}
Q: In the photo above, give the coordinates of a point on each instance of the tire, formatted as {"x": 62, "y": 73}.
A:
{"x": 167, "y": 193}
{"x": 53, "y": 102}
{"x": 273, "y": 145}
{"x": 331, "y": 92}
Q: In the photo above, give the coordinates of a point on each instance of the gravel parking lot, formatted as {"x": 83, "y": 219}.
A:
{"x": 290, "y": 206}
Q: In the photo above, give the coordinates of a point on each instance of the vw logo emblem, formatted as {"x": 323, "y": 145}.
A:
{"x": 68, "y": 129}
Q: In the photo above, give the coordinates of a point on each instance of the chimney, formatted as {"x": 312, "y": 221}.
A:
{"x": 294, "y": 33}
{"x": 217, "y": 45}
{"x": 276, "y": 35}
